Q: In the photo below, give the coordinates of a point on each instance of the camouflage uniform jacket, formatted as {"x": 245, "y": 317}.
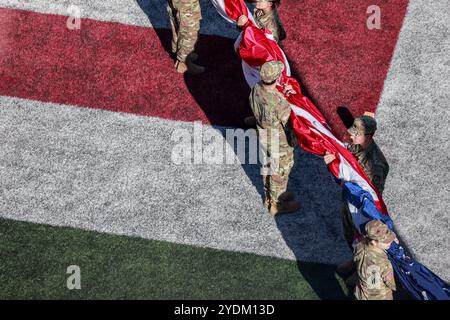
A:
{"x": 270, "y": 108}
{"x": 375, "y": 273}
{"x": 270, "y": 21}
{"x": 373, "y": 163}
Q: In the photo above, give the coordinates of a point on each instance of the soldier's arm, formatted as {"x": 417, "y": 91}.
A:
{"x": 273, "y": 27}
{"x": 280, "y": 29}
{"x": 284, "y": 110}
{"x": 388, "y": 276}
{"x": 376, "y": 175}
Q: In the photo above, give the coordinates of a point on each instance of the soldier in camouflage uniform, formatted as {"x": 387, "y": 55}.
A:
{"x": 375, "y": 279}
{"x": 185, "y": 16}
{"x": 369, "y": 155}
{"x": 266, "y": 17}
{"x": 371, "y": 159}
{"x": 374, "y": 165}
{"x": 272, "y": 112}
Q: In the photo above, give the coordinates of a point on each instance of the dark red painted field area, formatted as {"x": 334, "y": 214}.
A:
{"x": 335, "y": 56}
{"x": 127, "y": 68}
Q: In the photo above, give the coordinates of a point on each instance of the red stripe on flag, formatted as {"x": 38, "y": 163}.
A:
{"x": 234, "y": 9}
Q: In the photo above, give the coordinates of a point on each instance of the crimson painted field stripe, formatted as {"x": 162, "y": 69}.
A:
{"x": 337, "y": 59}
{"x": 125, "y": 68}
{"x": 117, "y": 67}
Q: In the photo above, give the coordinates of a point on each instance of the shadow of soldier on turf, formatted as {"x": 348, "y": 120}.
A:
{"x": 313, "y": 233}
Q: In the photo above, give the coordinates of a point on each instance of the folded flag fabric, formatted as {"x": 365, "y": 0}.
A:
{"x": 417, "y": 279}
{"x": 420, "y": 281}
{"x": 363, "y": 208}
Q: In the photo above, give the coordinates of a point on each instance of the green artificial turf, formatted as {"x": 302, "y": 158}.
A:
{"x": 34, "y": 260}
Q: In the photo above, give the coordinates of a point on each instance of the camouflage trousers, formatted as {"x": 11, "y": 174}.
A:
{"x": 185, "y": 16}
{"x": 277, "y": 167}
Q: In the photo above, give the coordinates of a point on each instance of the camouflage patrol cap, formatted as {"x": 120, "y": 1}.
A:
{"x": 270, "y": 71}
{"x": 363, "y": 125}
{"x": 377, "y": 230}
